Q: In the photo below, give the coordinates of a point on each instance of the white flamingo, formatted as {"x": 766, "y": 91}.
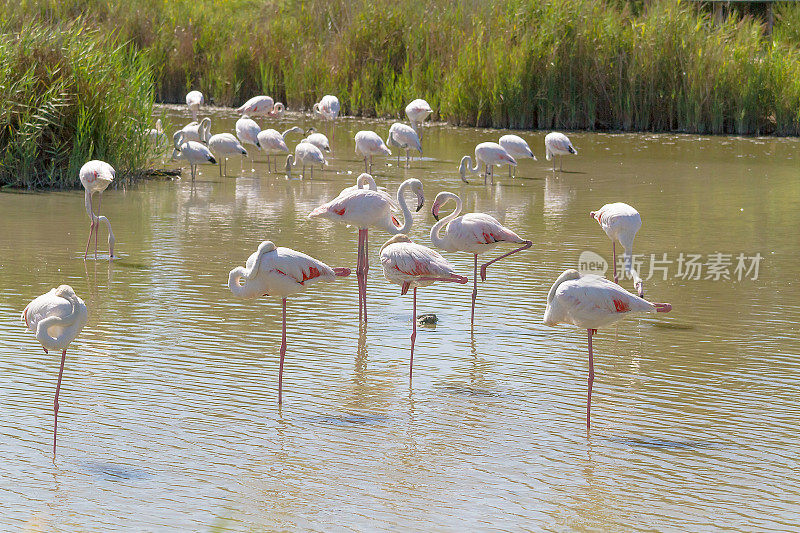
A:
{"x": 474, "y": 233}
{"x": 363, "y": 208}
{"x": 95, "y": 177}
{"x": 194, "y": 99}
{"x": 320, "y": 140}
{"x": 517, "y": 148}
{"x": 197, "y": 131}
{"x": 261, "y": 106}
{"x": 621, "y": 222}
{"x": 247, "y": 131}
{"x": 56, "y": 318}
{"x": 223, "y": 145}
{"x": 192, "y": 152}
{"x": 558, "y": 144}
{"x": 328, "y": 109}
{"x": 412, "y": 265}
{"x": 157, "y": 133}
{"x": 274, "y": 143}
{"x": 417, "y": 111}
{"x": 592, "y": 302}
{"x": 488, "y": 154}
{"x": 281, "y": 272}
{"x": 369, "y": 144}
{"x": 403, "y": 136}
{"x": 305, "y": 154}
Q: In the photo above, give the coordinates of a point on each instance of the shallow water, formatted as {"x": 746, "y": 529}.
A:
{"x": 169, "y": 418}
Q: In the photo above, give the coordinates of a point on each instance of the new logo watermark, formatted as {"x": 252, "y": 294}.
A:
{"x": 592, "y": 263}
{"x": 715, "y": 266}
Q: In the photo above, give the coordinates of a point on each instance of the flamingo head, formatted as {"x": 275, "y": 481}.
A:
{"x": 416, "y": 188}
{"x": 441, "y": 199}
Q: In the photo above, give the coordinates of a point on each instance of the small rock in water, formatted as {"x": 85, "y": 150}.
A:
{"x": 429, "y": 319}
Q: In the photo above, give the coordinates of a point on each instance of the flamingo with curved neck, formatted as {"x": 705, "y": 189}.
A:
{"x": 474, "y": 233}
{"x": 96, "y": 176}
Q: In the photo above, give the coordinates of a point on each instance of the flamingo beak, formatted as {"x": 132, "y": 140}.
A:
{"x": 435, "y": 211}
{"x": 421, "y": 203}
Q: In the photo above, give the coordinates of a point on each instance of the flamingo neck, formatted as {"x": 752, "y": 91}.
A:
{"x": 436, "y": 240}
{"x": 408, "y": 217}
{"x": 111, "y": 239}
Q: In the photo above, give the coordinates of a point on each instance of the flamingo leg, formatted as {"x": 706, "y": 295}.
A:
{"x": 590, "y": 381}
{"x": 366, "y": 270}
{"x": 614, "y": 258}
{"x": 220, "y": 168}
{"x": 491, "y": 174}
{"x": 408, "y": 159}
{"x": 360, "y": 275}
{"x": 561, "y": 163}
{"x": 283, "y": 354}
{"x": 312, "y": 172}
{"x": 525, "y": 246}
{"x": 97, "y": 230}
{"x": 509, "y": 172}
{"x": 554, "y": 164}
{"x": 474, "y": 289}
{"x": 366, "y": 169}
{"x": 55, "y": 402}
{"x": 91, "y": 227}
{"x": 413, "y": 336}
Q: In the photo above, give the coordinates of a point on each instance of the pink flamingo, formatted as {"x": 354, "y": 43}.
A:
{"x": 592, "y": 302}
{"x": 621, "y": 222}
{"x": 474, "y": 233}
{"x": 281, "y": 272}
{"x": 412, "y": 265}
{"x": 363, "y": 208}
{"x": 95, "y": 177}
{"x": 56, "y": 318}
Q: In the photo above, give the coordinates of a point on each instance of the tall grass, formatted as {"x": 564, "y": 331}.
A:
{"x": 68, "y": 95}
{"x": 661, "y": 65}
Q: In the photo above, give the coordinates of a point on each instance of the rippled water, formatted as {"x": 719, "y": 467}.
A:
{"x": 169, "y": 418}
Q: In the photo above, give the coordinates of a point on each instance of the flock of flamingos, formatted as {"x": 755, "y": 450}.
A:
{"x": 587, "y": 301}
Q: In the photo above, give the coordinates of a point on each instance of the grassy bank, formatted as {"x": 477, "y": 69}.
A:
{"x": 576, "y": 64}
{"x": 68, "y": 95}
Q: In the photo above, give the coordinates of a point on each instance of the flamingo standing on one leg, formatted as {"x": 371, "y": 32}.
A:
{"x": 516, "y": 148}
{"x": 474, "y": 233}
{"x": 328, "y": 109}
{"x": 412, "y": 265}
{"x": 95, "y": 177}
{"x": 556, "y": 143}
{"x": 56, "y": 318}
{"x": 305, "y": 154}
{"x": 273, "y": 143}
{"x": 592, "y": 302}
{"x": 621, "y": 222}
{"x": 489, "y": 154}
{"x": 247, "y": 131}
{"x": 417, "y": 111}
{"x": 224, "y": 145}
{"x": 404, "y": 137}
{"x": 192, "y": 152}
{"x": 281, "y": 272}
{"x": 261, "y": 106}
{"x": 194, "y": 99}
{"x": 368, "y": 144}
{"x": 363, "y": 208}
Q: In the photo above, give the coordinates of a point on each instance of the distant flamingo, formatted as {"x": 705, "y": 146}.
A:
{"x": 305, "y": 154}
{"x": 516, "y": 148}
{"x": 194, "y": 99}
{"x": 368, "y": 144}
{"x": 197, "y": 131}
{"x": 274, "y": 143}
{"x": 281, "y": 272}
{"x": 261, "y": 106}
{"x": 247, "y": 131}
{"x": 592, "y": 302}
{"x": 417, "y": 111}
{"x": 328, "y": 109}
{"x": 363, "y": 208}
{"x": 403, "y": 137}
{"x": 474, "y": 233}
{"x": 223, "y": 145}
{"x": 95, "y": 177}
{"x": 556, "y": 143}
{"x": 56, "y": 318}
{"x": 157, "y": 133}
{"x": 412, "y": 265}
{"x": 621, "y": 222}
{"x": 192, "y": 152}
{"x": 489, "y": 154}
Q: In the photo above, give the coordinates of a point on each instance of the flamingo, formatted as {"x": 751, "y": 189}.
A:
{"x": 194, "y": 99}
{"x": 156, "y": 133}
{"x": 516, "y": 148}
{"x": 193, "y": 152}
{"x": 305, "y": 154}
{"x": 247, "y": 131}
{"x": 281, "y": 272}
{"x": 368, "y": 144}
{"x": 319, "y": 140}
{"x": 417, "y": 111}
{"x": 274, "y": 143}
{"x": 404, "y": 137}
{"x": 95, "y": 177}
{"x": 197, "y": 131}
{"x": 412, "y": 265}
{"x": 489, "y": 154}
{"x": 621, "y": 222}
{"x": 261, "y": 106}
{"x": 363, "y": 208}
{"x": 474, "y": 233}
{"x": 363, "y": 181}
{"x": 224, "y": 145}
{"x": 556, "y": 143}
{"x": 56, "y": 317}
{"x": 592, "y": 302}
{"x": 328, "y": 109}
